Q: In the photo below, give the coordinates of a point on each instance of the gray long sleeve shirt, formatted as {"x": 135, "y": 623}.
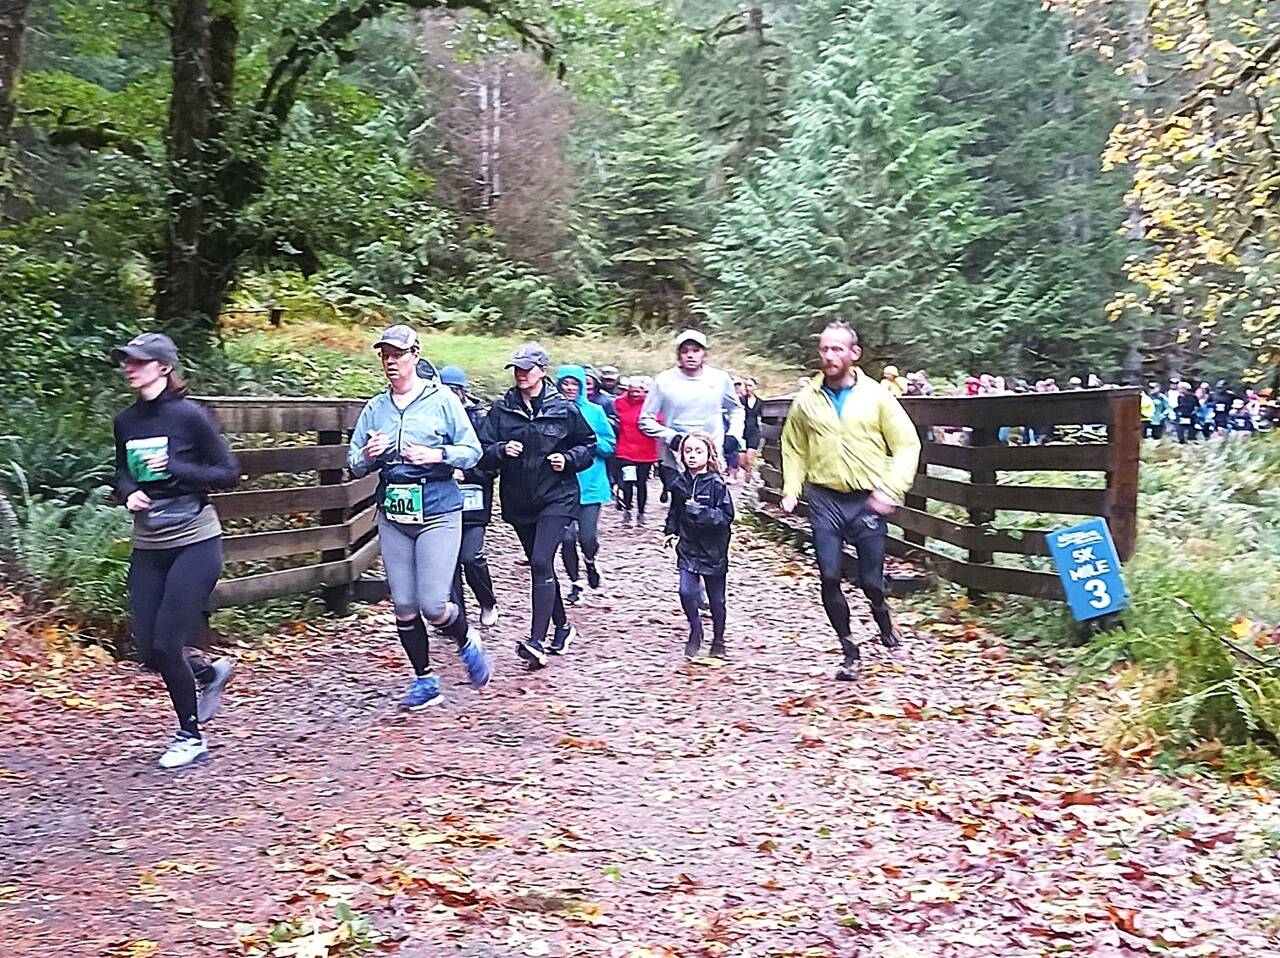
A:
{"x": 691, "y": 404}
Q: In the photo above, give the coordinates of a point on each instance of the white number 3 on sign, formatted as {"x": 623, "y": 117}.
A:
{"x": 1101, "y": 599}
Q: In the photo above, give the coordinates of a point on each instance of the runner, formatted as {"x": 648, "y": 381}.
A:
{"x": 539, "y": 441}
{"x": 416, "y": 434}
{"x": 609, "y": 381}
{"x": 850, "y": 447}
{"x": 593, "y": 485}
{"x": 699, "y": 522}
{"x": 169, "y": 454}
{"x": 477, "y": 509}
{"x": 752, "y": 439}
{"x": 604, "y": 398}
{"x": 636, "y": 452}
{"x": 690, "y": 397}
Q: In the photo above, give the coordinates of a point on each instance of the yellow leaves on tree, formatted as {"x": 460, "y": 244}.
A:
{"x": 1199, "y": 137}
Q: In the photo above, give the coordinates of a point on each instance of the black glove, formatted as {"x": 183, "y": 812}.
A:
{"x": 674, "y": 442}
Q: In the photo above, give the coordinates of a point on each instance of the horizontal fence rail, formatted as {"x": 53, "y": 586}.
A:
{"x": 308, "y": 521}
{"x": 1098, "y": 431}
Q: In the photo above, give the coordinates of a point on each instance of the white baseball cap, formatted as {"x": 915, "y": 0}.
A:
{"x": 692, "y": 336}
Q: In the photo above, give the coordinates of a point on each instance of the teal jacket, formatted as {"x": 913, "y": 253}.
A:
{"x": 593, "y": 482}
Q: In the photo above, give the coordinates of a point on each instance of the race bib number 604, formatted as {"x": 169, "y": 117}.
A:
{"x": 403, "y": 503}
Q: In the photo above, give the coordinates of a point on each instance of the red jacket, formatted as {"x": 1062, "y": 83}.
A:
{"x": 633, "y": 445}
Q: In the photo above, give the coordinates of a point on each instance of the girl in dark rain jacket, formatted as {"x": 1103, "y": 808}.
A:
{"x": 698, "y": 525}
{"x": 539, "y": 442}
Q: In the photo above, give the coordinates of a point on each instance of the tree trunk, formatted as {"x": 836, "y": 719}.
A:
{"x": 13, "y": 16}
{"x": 201, "y": 246}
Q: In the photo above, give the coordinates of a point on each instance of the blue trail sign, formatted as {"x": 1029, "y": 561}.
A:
{"x": 1089, "y": 568}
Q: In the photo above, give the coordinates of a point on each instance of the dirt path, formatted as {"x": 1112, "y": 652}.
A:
{"x": 618, "y": 803}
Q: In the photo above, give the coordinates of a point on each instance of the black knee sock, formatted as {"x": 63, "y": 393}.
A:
{"x": 203, "y": 672}
{"x": 456, "y": 627}
{"x": 413, "y": 636}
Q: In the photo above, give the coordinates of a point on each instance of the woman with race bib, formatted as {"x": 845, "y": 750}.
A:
{"x": 416, "y": 434}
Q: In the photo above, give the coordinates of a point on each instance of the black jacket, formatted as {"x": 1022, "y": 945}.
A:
{"x": 199, "y": 458}
{"x": 530, "y": 487}
{"x": 701, "y": 513}
{"x": 476, "y": 476}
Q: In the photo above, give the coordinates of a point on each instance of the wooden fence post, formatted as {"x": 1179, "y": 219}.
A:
{"x": 912, "y": 501}
{"x": 337, "y": 598}
{"x": 982, "y": 436}
{"x": 1124, "y": 445}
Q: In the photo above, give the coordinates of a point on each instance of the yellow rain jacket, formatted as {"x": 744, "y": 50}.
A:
{"x": 872, "y": 445}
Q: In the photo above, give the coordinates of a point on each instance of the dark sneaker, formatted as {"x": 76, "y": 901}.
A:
{"x": 210, "y": 697}
{"x": 532, "y": 652}
{"x": 593, "y": 575}
{"x": 891, "y": 640}
{"x": 476, "y": 660}
{"x": 852, "y": 664}
{"x": 626, "y": 517}
{"x": 424, "y": 691}
{"x": 693, "y": 647}
{"x": 640, "y": 523}
{"x": 717, "y": 649}
{"x": 563, "y": 638}
{"x": 575, "y": 594}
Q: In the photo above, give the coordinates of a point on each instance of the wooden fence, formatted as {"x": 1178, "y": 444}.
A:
{"x": 308, "y": 518}
{"x": 1105, "y": 432}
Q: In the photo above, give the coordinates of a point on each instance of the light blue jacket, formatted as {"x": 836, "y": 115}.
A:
{"x": 435, "y": 418}
{"x": 593, "y": 482}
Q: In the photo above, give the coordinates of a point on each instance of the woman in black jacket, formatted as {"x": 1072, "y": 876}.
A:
{"x": 539, "y": 442}
{"x": 698, "y": 525}
{"x": 169, "y": 454}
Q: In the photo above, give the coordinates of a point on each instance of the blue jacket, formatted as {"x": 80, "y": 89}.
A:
{"x": 593, "y": 482}
{"x": 436, "y": 419}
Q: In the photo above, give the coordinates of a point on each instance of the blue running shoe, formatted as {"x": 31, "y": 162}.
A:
{"x": 424, "y": 691}
{"x": 476, "y": 660}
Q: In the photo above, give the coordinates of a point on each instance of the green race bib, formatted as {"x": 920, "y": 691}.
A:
{"x": 403, "y": 503}
{"x": 136, "y": 449}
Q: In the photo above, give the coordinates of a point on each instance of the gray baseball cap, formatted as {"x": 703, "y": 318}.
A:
{"x": 609, "y": 372}
{"x": 148, "y": 347}
{"x": 692, "y": 336}
{"x": 400, "y": 336}
{"x": 528, "y": 356}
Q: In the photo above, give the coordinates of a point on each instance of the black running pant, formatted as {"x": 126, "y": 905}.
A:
{"x": 837, "y": 518}
{"x": 169, "y": 593}
{"x": 540, "y": 540}
{"x": 584, "y": 530}
{"x": 691, "y": 595}
{"x": 637, "y": 489}
{"x": 475, "y": 565}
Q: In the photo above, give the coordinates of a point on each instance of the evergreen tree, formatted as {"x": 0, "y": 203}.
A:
{"x": 866, "y": 212}
{"x": 646, "y": 209}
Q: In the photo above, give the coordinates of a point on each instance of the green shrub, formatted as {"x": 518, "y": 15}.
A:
{"x": 80, "y": 552}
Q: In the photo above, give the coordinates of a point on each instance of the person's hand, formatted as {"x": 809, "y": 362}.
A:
{"x": 669, "y": 542}
{"x": 880, "y": 503}
{"x": 789, "y": 504}
{"x": 138, "y": 501}
{"x": 557, "y": 461}
{"x": 157, "y": 461}
{"x": 376, "y": 445}
{"x": 459, "y": 475}
{"x": 513, "y": 449}
{"x": 421, "y": 455}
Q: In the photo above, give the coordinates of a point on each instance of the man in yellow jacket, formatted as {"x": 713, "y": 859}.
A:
{"x": 850, "y": 447}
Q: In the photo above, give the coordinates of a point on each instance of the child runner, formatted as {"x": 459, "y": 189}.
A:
{"x": 169, "y": 454}
{"x": 698, "y": 525}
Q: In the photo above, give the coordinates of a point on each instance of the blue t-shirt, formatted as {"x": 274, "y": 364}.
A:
{"x": 837, "y": 397}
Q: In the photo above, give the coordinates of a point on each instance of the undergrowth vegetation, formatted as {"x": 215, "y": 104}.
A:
{"x": 1194, "y": 668}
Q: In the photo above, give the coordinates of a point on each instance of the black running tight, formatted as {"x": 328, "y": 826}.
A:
{"x": 691, "y": 594}
{"x": 540, "y": 540}
{"x": 169, "y": 593}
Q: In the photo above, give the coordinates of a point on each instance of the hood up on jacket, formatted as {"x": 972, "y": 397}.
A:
{"x": 594, "y": 481}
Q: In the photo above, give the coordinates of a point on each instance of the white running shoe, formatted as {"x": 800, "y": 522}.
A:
{"x": 489, "y": 617}
{"x": 183, "y": 750}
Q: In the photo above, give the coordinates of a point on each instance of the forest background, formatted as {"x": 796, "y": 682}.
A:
{"x": 1008, "y": 186}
